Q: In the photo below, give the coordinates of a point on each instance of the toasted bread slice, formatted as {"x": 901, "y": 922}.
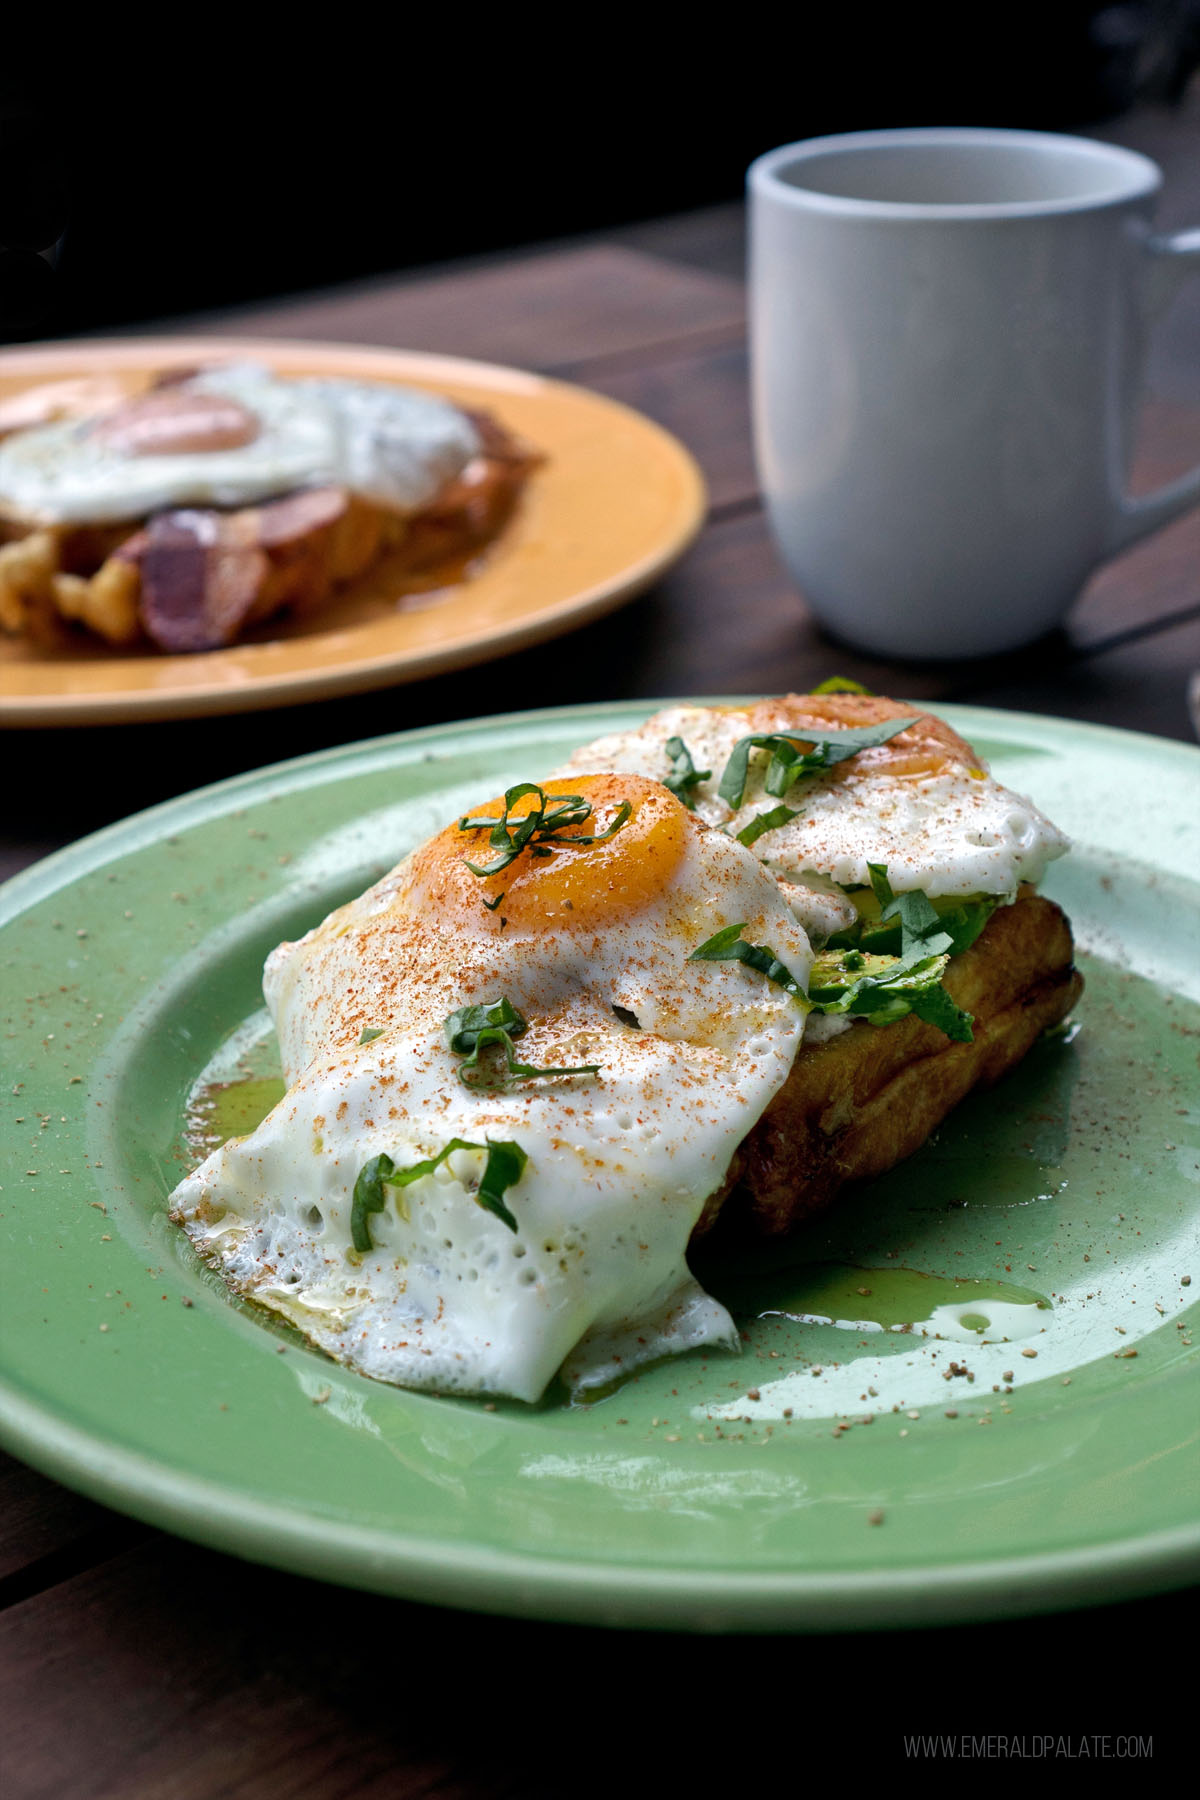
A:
{"x": 862, "y": 1101}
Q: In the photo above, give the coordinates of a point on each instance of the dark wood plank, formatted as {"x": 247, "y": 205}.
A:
{"x": 178, "y": 1673}
{"x": 1170, "y": 136}
{"x": 701, "y": 395}
{"x": 655, "y": 321}
{"x": 727, "y": 619}
{"x": 703, "y": 398}
{"x": 712, "y": 238}
{"x": 1140, "y": 684}
{"x": 17, "y": 856}
{"x": 730, "y": 620}
{"x": 538, "y": 312}
{"x": 39, "y": 1521}
{"x": 1151, "y": 586}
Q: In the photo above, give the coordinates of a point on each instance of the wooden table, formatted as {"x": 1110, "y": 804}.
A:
{"x": 134, "y": 1664}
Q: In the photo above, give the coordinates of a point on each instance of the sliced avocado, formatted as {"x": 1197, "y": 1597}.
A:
{"x": 964, "y": 918}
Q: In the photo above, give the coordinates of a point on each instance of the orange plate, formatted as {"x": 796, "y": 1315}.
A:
{"x": 616, "y": 501}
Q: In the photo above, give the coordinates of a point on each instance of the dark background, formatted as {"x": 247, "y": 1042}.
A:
{"x": 188, "y": 166}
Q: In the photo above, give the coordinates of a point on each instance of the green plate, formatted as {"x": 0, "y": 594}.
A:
{"x": 715, "y": 1491}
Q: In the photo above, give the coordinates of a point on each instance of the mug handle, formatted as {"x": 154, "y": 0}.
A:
{"x": 1175, "y": 255}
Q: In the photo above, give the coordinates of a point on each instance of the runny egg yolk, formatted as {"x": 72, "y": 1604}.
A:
{"x": 928, "y": 747}
{"x": 578, "y": 885}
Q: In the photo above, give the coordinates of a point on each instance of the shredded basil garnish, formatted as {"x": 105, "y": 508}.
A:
{"x": 965, "y": 921}
{"x": 540, "y": 829}
{"x": 627, "y": 1018}
{"x": 370, "y": 1033}
{"x": 764, "y": 822}
{"x": 933, "y": 1004}
{"x": 473, "y": 1028}
{"x": 503, "y": 1169}
{"x": 788, "y": 762}
{"x": 884, "y": 988}
{"x": 369, "y": 1197}
{"x": 463, "y": 1027}
{"x": 919, "y": 918}
{"x": 730, "y": 946}
{"x": 962, "y": 919}
{"x": 920, "y": 921}
{"x": 684, "y": 774}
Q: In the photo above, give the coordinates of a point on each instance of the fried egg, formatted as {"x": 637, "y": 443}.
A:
{"x": 392, "y": 445}
{"x": 665, "y": 1064}
{"x": 922, "y": 803}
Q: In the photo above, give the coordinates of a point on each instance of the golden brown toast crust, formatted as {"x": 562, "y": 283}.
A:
{"x": 861, "y": 1102}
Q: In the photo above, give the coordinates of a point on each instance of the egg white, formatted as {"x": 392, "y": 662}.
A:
{"x": 956, "y": 833}
{"x": 393, "y": 445}
{"x": 595, "y": 1279}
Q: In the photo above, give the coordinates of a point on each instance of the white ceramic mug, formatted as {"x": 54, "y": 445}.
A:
{"x": 946, "y": 343}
